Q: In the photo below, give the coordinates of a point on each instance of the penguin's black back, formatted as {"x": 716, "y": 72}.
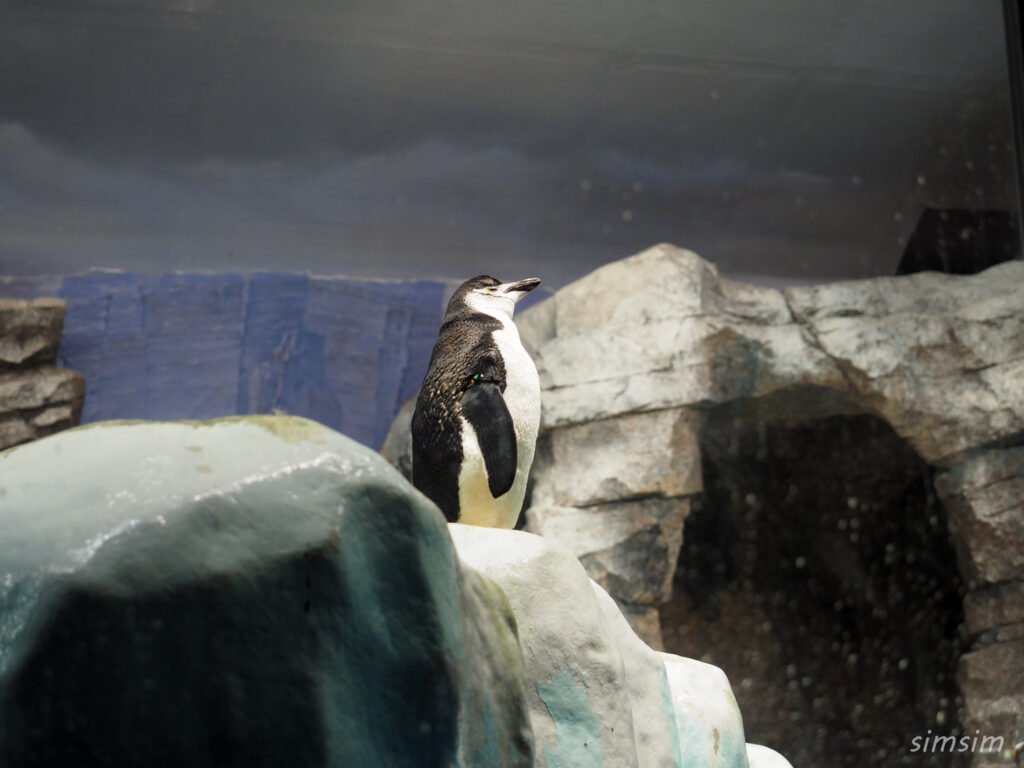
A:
{"x": 465, "y": 347}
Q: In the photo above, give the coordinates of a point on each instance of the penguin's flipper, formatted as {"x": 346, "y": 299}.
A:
{"x": 484, "y": 408}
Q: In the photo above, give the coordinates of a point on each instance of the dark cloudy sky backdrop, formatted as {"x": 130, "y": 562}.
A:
{"x": 440, "y": 138}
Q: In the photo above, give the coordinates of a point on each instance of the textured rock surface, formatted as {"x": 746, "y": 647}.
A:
{"x": 938, "y": 358}
{"x": 597, "y": 695}
{"x": 707, "y": 716}
{"x": 38, "y": 402}
{"x": 592, "y": 701}
{"x": 993, "y": 701}
{"x": 635, "y": 456}
{"x": 630, "y": 547}
{"x": 36, "y": 397}
{"x": 30, "y": 332}
{"x": 257, "y": 591}
{"x": 708, "y": 719}
{"x": 985, "y": 499}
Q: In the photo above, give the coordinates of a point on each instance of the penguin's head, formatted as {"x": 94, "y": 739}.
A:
{"x": 488, "y": 296}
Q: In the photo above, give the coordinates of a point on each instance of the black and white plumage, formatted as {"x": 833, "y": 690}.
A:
{"x": 474, "y": 429}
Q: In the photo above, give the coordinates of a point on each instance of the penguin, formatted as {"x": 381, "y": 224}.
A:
{"x": 475, "y": 425}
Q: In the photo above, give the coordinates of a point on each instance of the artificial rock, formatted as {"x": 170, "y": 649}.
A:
{"x": 937, "y": 356}
{"x": 30, "y": 332}
{"x": 639, "y": 455}
{"x": 990, "y": 676}
{"x": 37, "y": 398}
{"x": 258, "y": 591}
{"x": 707, "y": 717}
{"x": 662, "y": 338}
{"x": 629, "y": 547}
{"x": 38, "y": 402}
{"x": 597, "y": 694}
{"x": 263, "y": 590}
{"x": 985, "y": 499}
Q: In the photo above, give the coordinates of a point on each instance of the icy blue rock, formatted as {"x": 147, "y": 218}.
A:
{"x": 706, "y": 714}
{"x": 598, "y": 696}
{"x": 249, "y": 591}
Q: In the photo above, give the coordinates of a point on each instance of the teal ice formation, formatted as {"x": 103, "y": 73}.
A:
{"x": 265, "y": 591}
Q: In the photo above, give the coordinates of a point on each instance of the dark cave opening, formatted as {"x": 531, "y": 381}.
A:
{"x": 818, "y": 572}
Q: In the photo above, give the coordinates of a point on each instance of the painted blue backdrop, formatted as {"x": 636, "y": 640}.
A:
{"x": 346, "y": 352}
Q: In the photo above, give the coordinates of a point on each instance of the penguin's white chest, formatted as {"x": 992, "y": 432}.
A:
{"x": 522, "y": 398}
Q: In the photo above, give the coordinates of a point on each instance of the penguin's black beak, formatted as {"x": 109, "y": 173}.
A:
{"x": 519, "y": 288}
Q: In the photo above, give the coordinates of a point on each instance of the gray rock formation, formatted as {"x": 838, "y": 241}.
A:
{"x": 984, "y": 496}
{"x": 648, "y": 362}
{"x": 36, "y": 397}
{"x": 31, "y": 332}
{"x": 265, "y": 591}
